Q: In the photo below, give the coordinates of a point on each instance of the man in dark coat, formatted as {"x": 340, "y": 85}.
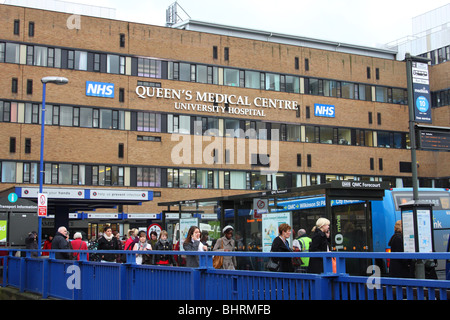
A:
{"x": 31, "y": 243}
{"x": 60, "y": 243}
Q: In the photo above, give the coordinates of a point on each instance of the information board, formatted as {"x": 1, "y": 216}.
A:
{"x": 435, "y": 140}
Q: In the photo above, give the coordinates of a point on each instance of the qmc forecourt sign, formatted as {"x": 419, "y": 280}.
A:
{"x": 42, "y": 205}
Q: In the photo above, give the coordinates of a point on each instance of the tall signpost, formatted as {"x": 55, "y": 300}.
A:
{"x": 42, "y": 211}
{"x": 419, "y": 103}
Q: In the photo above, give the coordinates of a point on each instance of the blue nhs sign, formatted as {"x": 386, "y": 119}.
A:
{"x": 324, "y": 110}
{"x": 100, "y": 89}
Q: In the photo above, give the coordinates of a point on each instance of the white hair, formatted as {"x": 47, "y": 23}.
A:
{"x": 77, "y": 235}
{"x": 62, "y": 229}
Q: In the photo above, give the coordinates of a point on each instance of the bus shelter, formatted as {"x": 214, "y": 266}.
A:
{"x": 256, "y": 216}
{"x": 65, "y": 201}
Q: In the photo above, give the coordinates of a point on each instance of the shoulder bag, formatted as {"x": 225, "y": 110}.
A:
{"x": 218, "y": 260}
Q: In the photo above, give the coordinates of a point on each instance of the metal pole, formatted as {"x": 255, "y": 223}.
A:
{"x": 412, "y": 131}
{"x": 41, "y": 161}
{"x": 419, "y": 265}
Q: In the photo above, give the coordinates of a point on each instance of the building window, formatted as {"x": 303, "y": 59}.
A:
{"x": 377, "y": 73}
{"x": 121, "y": 95}
{"x": 27, "y": 145}
{"x": 96, "y": 62}
{"x": 272, "y": 81}
{"x": 148, "y": 177}
{"x": 8, "y": 171}
{"x": 172, "y": 178}
{"x": 296, "y": 63}
{"x": 14, "y": 85}
{"x": 149, "y": 68}
{"x": 380, "y": 164}
{"x": 215, "y": 53}
{"x": 120, "y": 155}
{"x": 309, "y": 161}
{"x": 54, "y": 58}
{"x": 122, "y": 40}
{"x": 29, "y": 86}
{"x": 16, "y": 27}
{"x": 31, "y": 29}
{"x": 147, "y": 121}
{"x": 30, "y": 172}
{"x": 299, "y": 160}
{"x": 306, "y": 64}
{"x": 12, "y": 145}
{"x": 178, "y": 124}
{"x": 226, "y": 54}
{"x": 372, "y": 164}
{"x": 70, "y": 59}
{"x": 368, "y": 72}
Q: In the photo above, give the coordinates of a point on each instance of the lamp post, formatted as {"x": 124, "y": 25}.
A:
{"x": 45, "y": 80}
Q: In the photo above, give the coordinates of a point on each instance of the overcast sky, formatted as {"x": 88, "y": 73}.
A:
{"x": 359, "y": 22}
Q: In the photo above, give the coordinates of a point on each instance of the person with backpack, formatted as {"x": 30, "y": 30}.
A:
{"x": 301, "y": 244}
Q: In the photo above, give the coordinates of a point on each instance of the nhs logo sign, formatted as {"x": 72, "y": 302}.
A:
{"x": 324, "y": 110}
{"x": 100, "y": 89}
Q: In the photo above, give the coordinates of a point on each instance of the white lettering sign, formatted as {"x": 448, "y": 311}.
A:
{"x": 216, "y": 102}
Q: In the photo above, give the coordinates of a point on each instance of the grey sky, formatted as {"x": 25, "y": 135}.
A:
{"x": 359, "y": 22}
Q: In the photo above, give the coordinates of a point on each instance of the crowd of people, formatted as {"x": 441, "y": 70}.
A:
{"x": 196, "y": 240}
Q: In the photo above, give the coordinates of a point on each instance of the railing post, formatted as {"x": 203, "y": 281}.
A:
{"x": 5, "y": 267}
{"x": 45, "y": 277}
{"x": 322, "y": 286}
{"x": 124, "y": 283}
{"x": 195, "y": 285}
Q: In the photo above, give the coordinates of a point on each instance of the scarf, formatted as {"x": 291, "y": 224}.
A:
{"x": 142, "y": 246}
{"x": 108, "y": 238}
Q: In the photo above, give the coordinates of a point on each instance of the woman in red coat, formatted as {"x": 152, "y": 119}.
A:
{"x": 78, "y": 244}
{"x": 47, "y": 245}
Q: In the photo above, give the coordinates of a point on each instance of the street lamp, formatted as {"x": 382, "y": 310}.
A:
{"x": 45, "y": 80}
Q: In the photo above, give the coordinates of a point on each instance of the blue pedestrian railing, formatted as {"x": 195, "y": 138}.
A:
{"x": 89, "y": 280}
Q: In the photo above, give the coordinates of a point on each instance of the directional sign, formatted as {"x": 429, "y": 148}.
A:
{"x": 42, "y": 204}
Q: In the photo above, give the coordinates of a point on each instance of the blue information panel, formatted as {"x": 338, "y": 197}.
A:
{"x": 421, "y": 88}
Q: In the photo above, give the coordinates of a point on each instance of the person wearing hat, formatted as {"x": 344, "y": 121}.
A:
{"x": 32, "y": 243}
{"x": 226, "y": 243}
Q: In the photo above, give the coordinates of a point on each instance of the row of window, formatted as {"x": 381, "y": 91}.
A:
{"x": 85, "y": 117}
{"x": 440, "y": 98}
{"x": 88, "y": 117}
{"x": 191, "y": 72}
{"x": 438, "y": 56}
{"x": 105, "y": 175}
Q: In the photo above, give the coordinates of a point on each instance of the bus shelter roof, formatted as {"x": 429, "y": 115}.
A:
{"x": 334, "y": 190}
{"x": 82, "y": 199}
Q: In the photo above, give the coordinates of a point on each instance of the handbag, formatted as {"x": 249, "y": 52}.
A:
{"x": 218, "y": 261}
{"x": 272, "y": 265}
